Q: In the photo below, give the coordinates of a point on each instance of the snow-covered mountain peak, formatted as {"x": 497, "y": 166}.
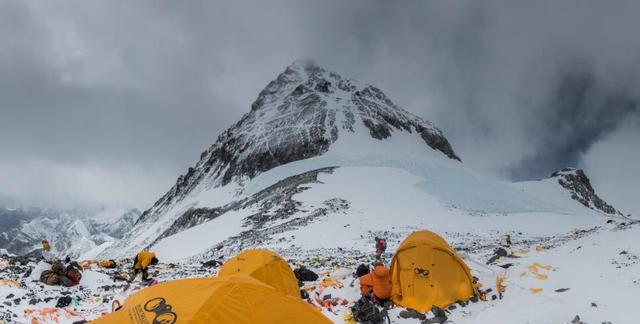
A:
{"x": 578, "y": 184}
{"x": 297, "y": 116}
{"x": 319, "y": 155}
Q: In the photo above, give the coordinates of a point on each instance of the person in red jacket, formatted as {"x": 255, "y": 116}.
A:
{"x": 381, "y": 246}
{"x": 377, "y": 282}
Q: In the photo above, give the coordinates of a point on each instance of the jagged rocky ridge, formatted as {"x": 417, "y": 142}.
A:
{"x": 579, "y": 185}
{"x": 297, "y": 116}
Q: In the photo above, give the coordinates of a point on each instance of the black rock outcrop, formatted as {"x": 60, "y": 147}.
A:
{"x": 579, "y": 185}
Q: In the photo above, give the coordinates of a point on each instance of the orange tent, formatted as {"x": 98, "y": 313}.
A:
{"x": 426, "y": 271}
{"x": 230, "y": 299}
{"x": 266, "y": 266}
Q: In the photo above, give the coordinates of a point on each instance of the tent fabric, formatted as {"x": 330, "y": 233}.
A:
{"x": 229, "y": 299}
{"x": 266, "y": 266}
{"x": 426, "y": 271}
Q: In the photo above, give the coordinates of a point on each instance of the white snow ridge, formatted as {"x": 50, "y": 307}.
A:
{"x": 321, "y": 164}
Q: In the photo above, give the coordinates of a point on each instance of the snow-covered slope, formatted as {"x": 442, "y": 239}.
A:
{"x": 324, "y": 161}
{"x": 70, "y": 232}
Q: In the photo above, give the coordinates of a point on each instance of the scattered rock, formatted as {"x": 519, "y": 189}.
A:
{"x": 410, "y": 313}
{"x": 497, "y": 254}
{"x": 579, "y": 185}
{"x": 576, "y": 320}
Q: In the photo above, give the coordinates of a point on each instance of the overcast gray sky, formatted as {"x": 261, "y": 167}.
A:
{"x": 109, "y": 101}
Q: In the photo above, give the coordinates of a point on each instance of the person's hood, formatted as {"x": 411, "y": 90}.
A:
{"x": 381, "y": 271}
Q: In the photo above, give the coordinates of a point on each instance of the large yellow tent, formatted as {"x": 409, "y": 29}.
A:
{"x": 426, "y": 271}
{"x": 230, "y": 299}
{"x": 265, "y": 266}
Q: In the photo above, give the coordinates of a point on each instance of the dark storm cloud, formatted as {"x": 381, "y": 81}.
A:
{"x": 108, "y": 101}
{"x": 580, "y": 111}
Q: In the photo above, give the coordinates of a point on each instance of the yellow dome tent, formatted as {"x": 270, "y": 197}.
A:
{"x": 265, "y": 266}
{"x": 426, "y": 271}
{"x": 230, "y": 299}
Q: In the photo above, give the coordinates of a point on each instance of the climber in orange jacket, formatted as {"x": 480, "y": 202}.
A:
{"x": 377, "y": 282}
{"x": 141, "y": 264}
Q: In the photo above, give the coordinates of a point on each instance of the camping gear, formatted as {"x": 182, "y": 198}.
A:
{"x": 49, "y": 277}
{"x": 330, "y": 282}
{"x": 65, "y": 281}
{"x": 226, "y": 299}
{"x": 265, "y": 266}
{"x": 74, "y": 275}
{"x": 211, "y": 264}
{"x": 108, "y": 264}
{"x": 366, "y": 310}
{"x": 304, "y": 274}
{"x": 63, "y": 301}
{"x": 426, "y": 271}
{"x": 57, "y": 267}
{"x": 72, "y": 265}
{"x": 10, "y": 283}
{"x": 86, "y": 265}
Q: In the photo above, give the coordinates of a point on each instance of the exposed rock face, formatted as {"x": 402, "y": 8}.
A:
{"x": 274, "y": 203}
{"x": 579, "y": 185}
{"x": 297, "y": 116}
